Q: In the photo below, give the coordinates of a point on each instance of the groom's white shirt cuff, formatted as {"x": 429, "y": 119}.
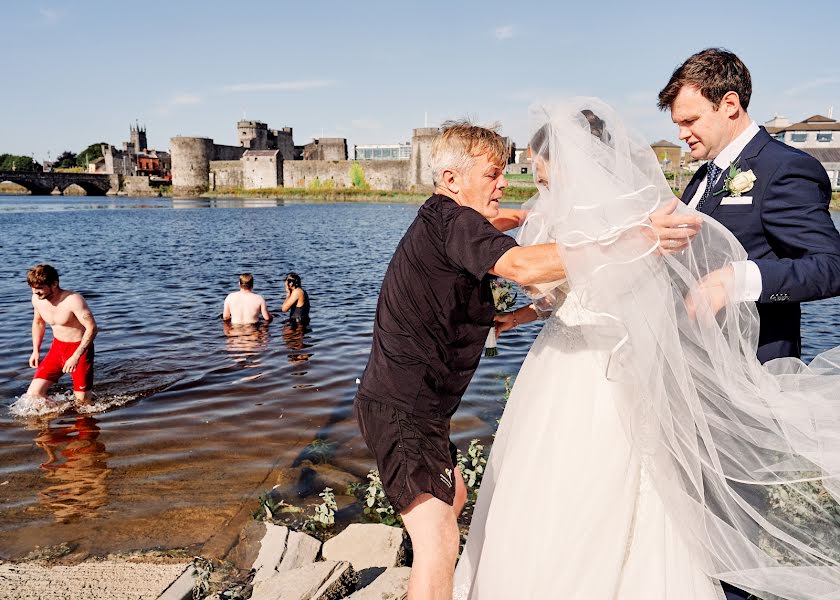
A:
{"x": 747, "y": 281}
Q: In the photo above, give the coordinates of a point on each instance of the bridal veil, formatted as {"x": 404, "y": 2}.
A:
{"x": 745, "y": 457}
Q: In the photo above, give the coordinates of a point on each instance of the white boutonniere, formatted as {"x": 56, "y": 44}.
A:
{"x": 737, "y": 181}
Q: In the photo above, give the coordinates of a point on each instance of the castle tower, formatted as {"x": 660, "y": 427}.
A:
{"x": 191, "y": 158}
{"x": 419, "y": 173}
{"x": 138, "y": 141}
{"x": 252, "y": 135}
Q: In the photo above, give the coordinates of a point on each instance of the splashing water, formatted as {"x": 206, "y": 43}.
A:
{"x": 34, "y": 406}
{"x": 54, "y": 404}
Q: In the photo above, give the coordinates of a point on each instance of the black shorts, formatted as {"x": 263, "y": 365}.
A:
{"x": 414, "y": 454}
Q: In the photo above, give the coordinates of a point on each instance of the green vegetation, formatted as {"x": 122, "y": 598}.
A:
{"x": 835, "y": 201}
{"x": 324, "y": 517}
{"x": 520, "y": 193}
{"x": 357, "y": 177}
{"x": 89, "y": 154}
{"x": 317, "y": 185}
{"x": 377, "y": 508}
{"x": 12, "y": 162}
{"x": 322, "y": 194}
{"x": 519, "y": 177}
{"x": 65, "y": 160}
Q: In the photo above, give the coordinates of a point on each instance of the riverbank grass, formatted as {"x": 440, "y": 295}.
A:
{"x": 324, "y": 194}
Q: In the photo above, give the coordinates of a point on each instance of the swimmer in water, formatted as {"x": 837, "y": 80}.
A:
{"x": 244, "y": 307}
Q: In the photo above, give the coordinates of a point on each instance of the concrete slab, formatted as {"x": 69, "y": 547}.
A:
{"x": 90, "y": 580}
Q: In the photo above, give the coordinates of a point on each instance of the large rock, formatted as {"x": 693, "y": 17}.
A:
{"x": 246, "y": 550}
{"x": 328, "y": 580}
{"x": 367, "y": 545}
{"x": 390, "y": 585}
{"x": 282, "y": 549}
{"x": 181, "y": 588}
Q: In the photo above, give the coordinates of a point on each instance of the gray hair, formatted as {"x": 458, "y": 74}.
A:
{"x": 459, "y": 143}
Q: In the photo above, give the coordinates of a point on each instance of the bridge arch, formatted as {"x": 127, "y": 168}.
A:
{"x": 90, "y": 189}
{"x": 33, "y": 187}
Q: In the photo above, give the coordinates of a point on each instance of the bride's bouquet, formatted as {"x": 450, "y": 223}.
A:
{"x": 503, "y": 299}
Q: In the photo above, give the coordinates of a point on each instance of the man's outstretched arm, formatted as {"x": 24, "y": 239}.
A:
{"x": 527, "y": 265}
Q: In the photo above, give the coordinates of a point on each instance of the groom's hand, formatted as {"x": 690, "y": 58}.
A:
{"x": 674, "y": 232}
{"x": 711, "y": 293}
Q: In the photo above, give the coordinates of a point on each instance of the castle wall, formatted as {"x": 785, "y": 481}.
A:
{"x": 225, "y": 175}
{"x": 138, "y": 185}
{"x": 221, "y": 152}
{"x": 260, "y": 172}
{"x": 380, "y": 174}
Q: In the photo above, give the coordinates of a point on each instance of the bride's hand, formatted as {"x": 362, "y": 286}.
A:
{"x": 503, "y": 322}
{"x": 674, "y": 232}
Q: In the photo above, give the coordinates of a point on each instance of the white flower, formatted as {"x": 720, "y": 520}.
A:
{"x": 741, "y": 182}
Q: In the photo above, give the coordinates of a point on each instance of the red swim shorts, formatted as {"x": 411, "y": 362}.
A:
{"x": 50, "y": 368}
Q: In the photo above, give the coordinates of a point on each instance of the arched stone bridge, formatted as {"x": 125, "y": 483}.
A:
{"x": 43, "y": 184}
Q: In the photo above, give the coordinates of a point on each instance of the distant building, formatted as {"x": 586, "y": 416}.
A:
{"x": 817, "y": 135}
{"x": 135, "y": 158}
{"x": 816, "y": 131}
{"x": 668, "y": 154}
{"x": 255, "y": 135}
{"x": 326, "y": 149}
{"x": 261, "y": 169}
{"x": 382, "y": 151}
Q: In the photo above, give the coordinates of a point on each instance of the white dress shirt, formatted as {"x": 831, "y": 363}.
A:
{"x": 747, "y": 275}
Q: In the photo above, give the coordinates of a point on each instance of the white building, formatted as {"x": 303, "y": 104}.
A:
{"x": 817, "y": 135}
{"x": 382, "y": 151}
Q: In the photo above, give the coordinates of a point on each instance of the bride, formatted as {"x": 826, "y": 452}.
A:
{"x": 644, "y": 452}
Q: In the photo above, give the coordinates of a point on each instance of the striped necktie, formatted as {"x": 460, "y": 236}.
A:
{"x": 711, "y": 178}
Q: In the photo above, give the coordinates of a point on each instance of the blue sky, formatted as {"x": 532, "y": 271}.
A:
{"x": 80, "y": 72}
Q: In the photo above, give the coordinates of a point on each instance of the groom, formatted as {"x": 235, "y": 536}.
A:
{"x": 434, "y": 311}
{"x": 777, "y": 208}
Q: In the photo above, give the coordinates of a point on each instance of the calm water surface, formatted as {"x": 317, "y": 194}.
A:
{"x": 215, "y": 415}
{"x": 210, "y": 415}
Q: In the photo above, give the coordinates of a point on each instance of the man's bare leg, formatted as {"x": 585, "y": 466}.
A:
{"x": 433, "y": 528}
{"x": 38, "y": 388}
{"x": 83, "y": 398}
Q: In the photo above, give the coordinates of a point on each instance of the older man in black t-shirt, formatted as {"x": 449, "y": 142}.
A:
{"x": 434, "y": 312}
{"x": 435, "y": 309}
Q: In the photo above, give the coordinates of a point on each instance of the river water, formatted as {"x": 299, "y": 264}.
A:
{"x": 205, "y": 417}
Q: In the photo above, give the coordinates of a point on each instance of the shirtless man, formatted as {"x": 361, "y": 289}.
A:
{"x": 244, "y": 307}
{"x": 73, "y": 328}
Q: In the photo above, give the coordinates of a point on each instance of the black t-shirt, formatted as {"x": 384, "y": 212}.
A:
{"x": 434, "y": 311}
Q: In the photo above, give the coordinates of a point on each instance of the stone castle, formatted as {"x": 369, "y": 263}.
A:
{"x": 268, "y": 158}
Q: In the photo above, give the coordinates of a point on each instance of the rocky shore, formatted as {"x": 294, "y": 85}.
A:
{"x": 268, "y": 562}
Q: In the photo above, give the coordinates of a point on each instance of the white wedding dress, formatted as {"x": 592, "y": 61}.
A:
{"x": 566, "y": 510}
{"x": 645, "y": 453}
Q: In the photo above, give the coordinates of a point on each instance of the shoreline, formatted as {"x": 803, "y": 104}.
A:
{"x": 513, "y": 194}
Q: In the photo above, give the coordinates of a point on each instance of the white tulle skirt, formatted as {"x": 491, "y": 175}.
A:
{"x": 565, "y": 509}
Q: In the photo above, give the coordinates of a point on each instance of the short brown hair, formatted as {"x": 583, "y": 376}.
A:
{"x": 460, "y": 142}
{"x": 41, "y": 275}
{"x": 246, "y": 280}
{"x": 713, "y": 71}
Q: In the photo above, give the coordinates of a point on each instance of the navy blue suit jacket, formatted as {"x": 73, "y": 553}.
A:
{"x": 786, "y": 230}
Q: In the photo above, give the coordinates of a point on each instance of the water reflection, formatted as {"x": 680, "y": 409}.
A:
{"x": 246, "y": 343}
{"x": 294, "y": 336}
{"x": 75, "y": 469}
